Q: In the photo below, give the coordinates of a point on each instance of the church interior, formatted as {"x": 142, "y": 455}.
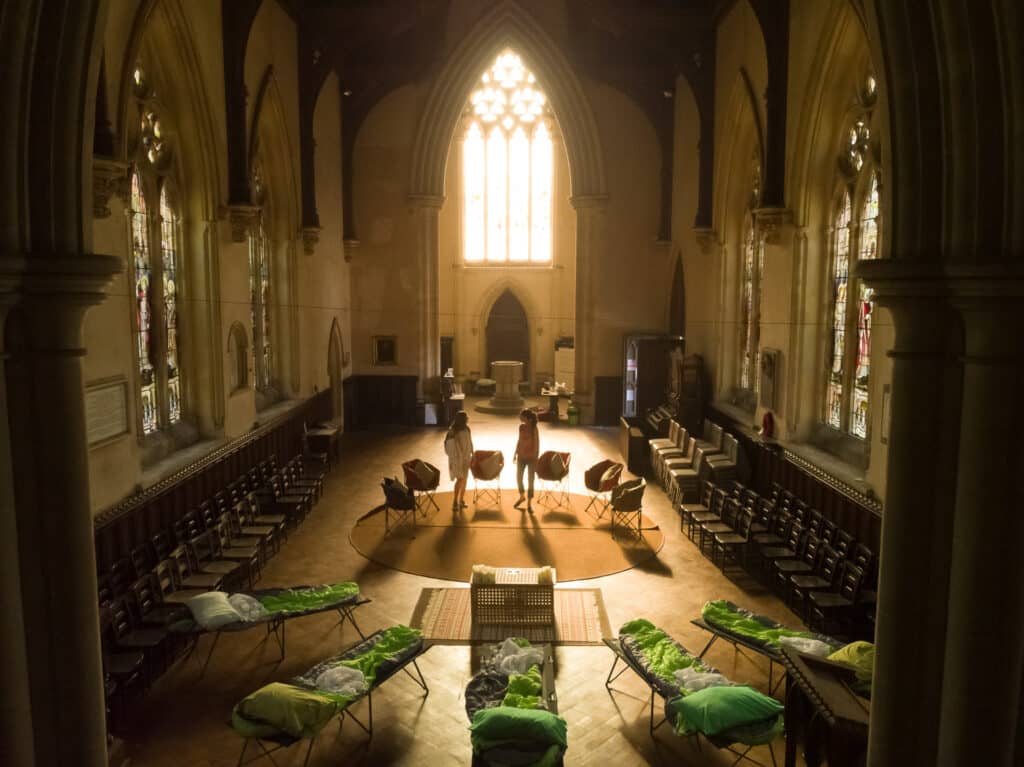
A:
{"x": 755, "y": 266}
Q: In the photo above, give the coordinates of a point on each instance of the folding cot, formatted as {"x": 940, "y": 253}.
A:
{"x": 282, "y": 714}
{"x": 281, "y": 605}
{"x": 742, "y": 628}
{"x": 742, "y": 716}
{"x": 513, "y": 709}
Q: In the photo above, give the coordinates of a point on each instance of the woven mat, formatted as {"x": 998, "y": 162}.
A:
{"x": 444, "y": 617}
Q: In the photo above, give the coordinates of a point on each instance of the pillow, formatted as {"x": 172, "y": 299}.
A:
{"x": 611, "y": 474}
{"x": 715, "y": 709}
{"x": 212, "y": 610}
{"x": 628, "y": 496}
{"x": 500, "y": 725}
{"x": 557, "y": 465}
{"x": 861, "y": 657}
{"x": 289, "y": 709}
{"x": 249, "y": 608}
{"x": 806, "y": 645}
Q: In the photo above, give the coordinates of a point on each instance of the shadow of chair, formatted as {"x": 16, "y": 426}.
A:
{"x": 601, "y": 479}
{"x": 486, "y": 466}
{"x": 423, "y": 478}
{"x": 553, "y": 472}
{"x": 627, "y": 507}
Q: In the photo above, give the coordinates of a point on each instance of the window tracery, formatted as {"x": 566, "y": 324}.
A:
{"x": 260, "y": 286}
{"x": 750, "y": 292}
{"x": 507, "y": 167}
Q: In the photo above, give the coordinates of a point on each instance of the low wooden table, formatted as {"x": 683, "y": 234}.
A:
{"x": 514, "y": 599}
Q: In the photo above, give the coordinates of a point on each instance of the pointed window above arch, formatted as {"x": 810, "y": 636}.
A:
{"x": 507, "y": 168}
{"x": 156, "y": 260}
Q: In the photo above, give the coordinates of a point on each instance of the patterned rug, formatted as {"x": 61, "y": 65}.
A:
{"x": 444, "y": 617}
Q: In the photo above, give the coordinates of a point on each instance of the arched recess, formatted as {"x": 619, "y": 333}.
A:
{"x": 736, "y": 165}
{"x": 335, "y": 367}
{"x": 271, "y": 146}
{"x": 238, "y": 357}
{"x": 485, "y": 306}
{"x": 677, "y": 300}
{"x": 163, "y": 42}
{"x": 508, "y": 332}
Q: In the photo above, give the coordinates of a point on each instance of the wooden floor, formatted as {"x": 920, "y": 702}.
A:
{"x": 183, "y": 720}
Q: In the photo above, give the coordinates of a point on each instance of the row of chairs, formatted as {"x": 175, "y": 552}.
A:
{"x": 820, "y": 571}
{"x": 221, "y": 544}
{"x": 680, "y": 461}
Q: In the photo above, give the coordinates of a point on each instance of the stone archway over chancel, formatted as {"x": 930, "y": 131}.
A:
{"x": 579, "y": 193}
{"x": 508, "y": 332}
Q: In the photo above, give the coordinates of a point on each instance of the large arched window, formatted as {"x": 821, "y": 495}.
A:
{"x": 854, "y": 237}
{"x": 507, "y": 168}
{"x": 259, "y": 288}
{"x": 155, "y": 260}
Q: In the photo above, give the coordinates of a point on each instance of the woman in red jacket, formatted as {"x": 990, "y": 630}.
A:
{"x": 527, "y": 450}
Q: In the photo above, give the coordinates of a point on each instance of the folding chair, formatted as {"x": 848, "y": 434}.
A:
{"x": 627, "y": 506}
{"x": 486, "y": 466}
{"x": 553, "y": 469}
{"x": 601, "y": 479}
{"x": 398, "y": 500}
{"x": 423, "y": 478}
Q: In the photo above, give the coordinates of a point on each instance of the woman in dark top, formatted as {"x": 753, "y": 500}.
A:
{"x": 527, "y": 450}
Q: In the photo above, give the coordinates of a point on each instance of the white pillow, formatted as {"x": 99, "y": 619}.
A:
{"x": 806, "y": 645}
{"x": 212, "y": 610}
{"x": 249, "y": 608}
{"x": 342, "y": 680}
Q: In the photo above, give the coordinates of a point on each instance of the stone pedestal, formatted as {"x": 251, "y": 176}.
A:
{"x": 507, "y": 374}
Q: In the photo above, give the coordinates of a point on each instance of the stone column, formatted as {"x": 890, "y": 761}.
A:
{"x": 427, "y": 212}
{"x": 55, "y": 536}
{"x": 984, "y": 661}
{"x": 917, "y": 527}
{"x": 591, "y": 226}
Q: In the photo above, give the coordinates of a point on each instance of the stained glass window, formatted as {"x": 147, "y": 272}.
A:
{"x": 259, "y": 297}
{"x": 507, "y": 167}
{"x": 861, "y": 377}
{"x": 840, "y": 282}
{"x": 169, "y": 258}
{"x": 143, "y": 305}
{"x": 847, "y": 388}
{"x": 747, "y": 308}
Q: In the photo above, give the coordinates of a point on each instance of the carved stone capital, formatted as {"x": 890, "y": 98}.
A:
{"x": 109, "y": 177}
{"x": 310, "y": 238}
{"x": 773, "y": 223}
{"x": 242, "y": 218}
{"x": 707, "y": 239}
{"x": 350, "y": 248}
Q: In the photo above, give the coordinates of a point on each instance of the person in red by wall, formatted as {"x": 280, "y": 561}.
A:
{"x": 527, "y": 450}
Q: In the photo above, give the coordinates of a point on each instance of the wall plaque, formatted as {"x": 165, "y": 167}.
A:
{"x": 106, "y": 409}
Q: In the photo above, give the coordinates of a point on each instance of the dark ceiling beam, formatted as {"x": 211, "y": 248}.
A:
{"x": 237, "y": 18}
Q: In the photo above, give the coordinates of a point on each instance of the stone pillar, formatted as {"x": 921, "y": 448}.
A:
{"x": 55, "y": 536}
{"x": 591, "y": 226}
{"x": 917, "y": 526}
{"x": 16, "y": 729}
{"x": 986, "y": 591}
{"x": 427, "y": 212}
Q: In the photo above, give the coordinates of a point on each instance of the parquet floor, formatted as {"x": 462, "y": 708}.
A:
{"x": 183, "y": 720}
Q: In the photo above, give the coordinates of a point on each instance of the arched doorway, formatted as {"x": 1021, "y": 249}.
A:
{"x": 508, "y": 332}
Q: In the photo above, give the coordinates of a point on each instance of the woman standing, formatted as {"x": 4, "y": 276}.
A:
{"x": 527, "y": 450}
{"x": 458, "y": 444}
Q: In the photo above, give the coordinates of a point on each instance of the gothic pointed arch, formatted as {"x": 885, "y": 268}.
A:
{"x": 269, "y": 142}
{"x": 507, "y": 26}
{"x": 335, "y": 368}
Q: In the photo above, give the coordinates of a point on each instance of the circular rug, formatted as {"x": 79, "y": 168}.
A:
{"x": 446, "y": 544}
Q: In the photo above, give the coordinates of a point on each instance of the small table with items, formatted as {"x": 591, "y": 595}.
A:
{"x": 553, "y": 395}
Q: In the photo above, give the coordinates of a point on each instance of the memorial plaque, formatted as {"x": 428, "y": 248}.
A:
{"x": 106, "y": 410}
